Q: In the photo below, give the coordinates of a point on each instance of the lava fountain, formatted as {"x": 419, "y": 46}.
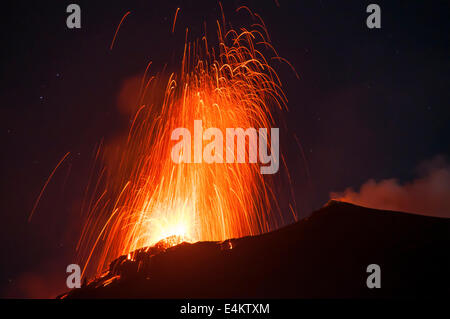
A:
{"x": 147, "y": 197}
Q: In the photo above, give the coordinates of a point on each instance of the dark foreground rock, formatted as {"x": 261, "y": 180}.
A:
{"x": 323, "y": 256}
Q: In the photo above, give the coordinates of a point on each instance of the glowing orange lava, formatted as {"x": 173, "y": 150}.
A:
{"x": 148, "y": 197}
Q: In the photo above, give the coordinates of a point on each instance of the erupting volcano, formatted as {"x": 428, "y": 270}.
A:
{"x": 326, "y": 254}
{"x": 147, "y": 197}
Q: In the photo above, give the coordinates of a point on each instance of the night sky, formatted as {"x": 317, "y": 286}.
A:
{"x": 370, "y": 103}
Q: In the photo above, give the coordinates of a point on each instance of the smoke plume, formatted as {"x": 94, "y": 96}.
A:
{"x": 428, "y": 194}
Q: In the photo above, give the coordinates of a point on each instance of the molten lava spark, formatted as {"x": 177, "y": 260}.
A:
{"x": 148, "y": 197}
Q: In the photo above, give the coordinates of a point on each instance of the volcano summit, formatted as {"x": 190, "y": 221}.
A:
{"x": 323, "y": 256}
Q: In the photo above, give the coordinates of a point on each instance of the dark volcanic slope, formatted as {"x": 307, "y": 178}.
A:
{"x": 325, "y": 255}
